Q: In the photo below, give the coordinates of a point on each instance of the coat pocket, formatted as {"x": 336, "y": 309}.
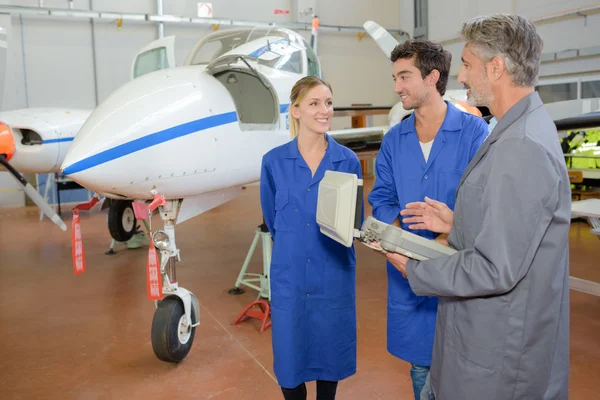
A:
{"x": 469, "y": 213}
{"x": 476, "y": 381}
{"x": 481, "y": 330}
{"x": 282, "y": 220}
{"x": 448, "y": 182}
{"x": 281, "y": 286}
{"x": 340, "y": 285}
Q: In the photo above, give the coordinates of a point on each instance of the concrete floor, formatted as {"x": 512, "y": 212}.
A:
{"x": 88, "y": 336}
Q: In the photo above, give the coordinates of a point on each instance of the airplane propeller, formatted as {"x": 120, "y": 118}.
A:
{"x": 7, "y": 149}
{"x": 383, "y": 38}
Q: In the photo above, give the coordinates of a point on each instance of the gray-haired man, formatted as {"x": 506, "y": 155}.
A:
{"x": 502, "y": 329}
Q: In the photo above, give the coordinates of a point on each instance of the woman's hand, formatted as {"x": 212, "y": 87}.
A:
{"x": 431, "y": 215}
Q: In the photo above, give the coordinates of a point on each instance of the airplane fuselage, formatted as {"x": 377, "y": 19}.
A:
{"x": 179, "y": 131}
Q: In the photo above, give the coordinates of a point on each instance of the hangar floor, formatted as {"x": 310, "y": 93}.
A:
{"x": 88, "y": 336}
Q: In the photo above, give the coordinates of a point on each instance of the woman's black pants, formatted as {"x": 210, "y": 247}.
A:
{"x": 325, "y": 391}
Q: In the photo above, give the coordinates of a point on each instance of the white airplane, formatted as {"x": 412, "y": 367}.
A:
{"x": 189, "y": 137}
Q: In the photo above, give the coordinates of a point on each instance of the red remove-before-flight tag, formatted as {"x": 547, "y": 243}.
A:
{"x": 77, "y": 245}
{"x": 153, "y": 277}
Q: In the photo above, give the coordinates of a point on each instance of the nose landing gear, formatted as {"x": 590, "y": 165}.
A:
{"x": 178, "y": 313}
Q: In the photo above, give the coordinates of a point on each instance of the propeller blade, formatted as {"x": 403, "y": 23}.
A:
{"x": 314, "y": 34}
{"x": 384, "y": 40}
{"x": 7, "y": 148}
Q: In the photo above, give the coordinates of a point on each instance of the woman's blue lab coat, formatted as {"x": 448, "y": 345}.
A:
{"x": 313, "y": 281}
{"x": 403, "y": 176}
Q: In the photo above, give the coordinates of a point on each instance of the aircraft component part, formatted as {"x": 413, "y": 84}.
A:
{"x": 161, "y": 240}
{"x": 255, "y": 102}
{"x": 7, "y": 142}
{"x": 7, "y": 149}
{"x": 192, "y": 206}
{"x": 121, "y": 220}
{"x": 171, "y": 271}
{"x": 360, "y": 139}
{"x": 42, "y": 136}
{"x": 589, "y": 120}
{"x": 178, "y": 314}
{"x": 382, "y": 37}
{"x": 30, "y": 138}
{"x": 33, "y": 194}
{"x": 172, "y": 333}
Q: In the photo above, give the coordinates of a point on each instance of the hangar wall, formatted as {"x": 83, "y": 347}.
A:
{"x": 59, "y": 55}
{"x": 561, "y": 38}
{"x": 58, "y": 66}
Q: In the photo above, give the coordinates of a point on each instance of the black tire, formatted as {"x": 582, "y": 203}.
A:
{"x": 121, "y": 220}
{"x": 165, "y": 331}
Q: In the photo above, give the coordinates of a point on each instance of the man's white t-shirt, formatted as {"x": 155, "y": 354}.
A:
{"x": 426, "y": 147}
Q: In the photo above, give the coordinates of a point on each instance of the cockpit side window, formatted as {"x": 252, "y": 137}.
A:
{"x": 274, "y": 47}
{"x": 150, "y": 61}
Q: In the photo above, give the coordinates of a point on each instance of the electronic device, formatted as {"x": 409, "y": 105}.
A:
{"x": 339, "y": 207}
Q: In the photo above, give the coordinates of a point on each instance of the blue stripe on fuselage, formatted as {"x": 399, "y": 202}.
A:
{"x": 155, "y": 139}
{"x": 69, "y": 139}
{"x": 150, "y": 140}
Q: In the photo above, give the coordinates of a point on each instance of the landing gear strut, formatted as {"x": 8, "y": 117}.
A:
{"x": 178, "y": 313}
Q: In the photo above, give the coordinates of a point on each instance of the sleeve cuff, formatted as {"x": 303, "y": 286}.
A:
{"x": 413, "y": 279}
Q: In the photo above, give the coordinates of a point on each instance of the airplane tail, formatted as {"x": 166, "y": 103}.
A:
{"x": 383, "y": 38}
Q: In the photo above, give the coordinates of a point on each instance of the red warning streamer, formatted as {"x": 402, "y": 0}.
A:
{"x": 77, "y": 243}
{"x": 153, "y": 277}
{"x": 76, "y": 240}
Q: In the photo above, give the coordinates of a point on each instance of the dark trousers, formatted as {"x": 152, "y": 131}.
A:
{"x": 325, "y": 391}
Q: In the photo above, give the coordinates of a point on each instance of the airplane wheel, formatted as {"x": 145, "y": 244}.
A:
{"x": 121, "y": 220}
{"x": 171, "y": 337}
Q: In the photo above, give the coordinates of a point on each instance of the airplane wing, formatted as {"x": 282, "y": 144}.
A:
{"x": 583, "y": 121}
{"x": 354, "y": 111}
{"x": 365, "y": 142}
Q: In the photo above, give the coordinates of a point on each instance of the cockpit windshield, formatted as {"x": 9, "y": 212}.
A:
{"x": 275, "y": 47}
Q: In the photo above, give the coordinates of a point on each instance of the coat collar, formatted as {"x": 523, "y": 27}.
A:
{"x": 452, "y": 121}
{"x": 334, "y": 149}
{"x": 524, "y": 106}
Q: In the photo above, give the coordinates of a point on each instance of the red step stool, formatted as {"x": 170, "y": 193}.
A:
{"x": 262, "y": 315}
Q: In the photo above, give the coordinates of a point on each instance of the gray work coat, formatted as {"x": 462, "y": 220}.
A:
{"x": 502, "y": 330}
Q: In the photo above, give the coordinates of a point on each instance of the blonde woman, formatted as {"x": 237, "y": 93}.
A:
{"x": 312, "y": 277}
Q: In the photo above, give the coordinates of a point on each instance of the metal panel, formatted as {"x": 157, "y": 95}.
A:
{"x": 421, "y": 19}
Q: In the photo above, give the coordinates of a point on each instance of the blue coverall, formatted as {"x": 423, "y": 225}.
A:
{"x": 403, "y": 176}
{"x": 313, "y": 284}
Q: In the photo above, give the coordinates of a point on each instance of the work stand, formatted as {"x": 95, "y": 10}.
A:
{"x": 251, "y": 279}
{"x": 258, "y": 282}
